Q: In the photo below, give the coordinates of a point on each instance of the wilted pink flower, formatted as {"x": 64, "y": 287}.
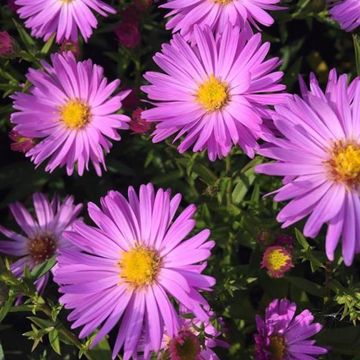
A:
{"x": 6, "y": 44}
{"x": 128, "y": 34}
{"x": 137, "y": 124}
{"x": 20, "y": 143}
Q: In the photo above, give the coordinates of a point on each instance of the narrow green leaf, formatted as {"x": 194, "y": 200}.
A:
{"x": 25, "y": 37}
{"x": 357, "y": 52}
{"x": 54, "y": 341}
{"x": 2, "y": 356}
{"x": 301, "y": 239}
{"x": 306, "y": 285}
{"x": 47, "y": 46}
{"x": 43, "y": 268}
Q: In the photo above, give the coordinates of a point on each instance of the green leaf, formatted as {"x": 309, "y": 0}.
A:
{"x": 205, "y": 174}
{"x": 47, "y": 46}
{"x": 2, "y": 356}
{"x": 43, "y": 268}
{"x": 301, "y": 239}
{"x": 306, "y": 285}
{"x": 54, "y": 341}
{"x": 243, "y": 185}
{"x": 5, "y": 308}
{"x": 42, "y": 323}
{"x": 357, "y": 52}
{"x": 25, "y": 37}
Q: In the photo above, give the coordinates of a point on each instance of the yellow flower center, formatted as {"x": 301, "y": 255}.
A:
{"x": 277, "y": 259}
{"x": 222, "y": 2}
{"x": 75, "y": 114}
{"x": 139, "y": 266}
{"x": 213, "y": 94}
{"x": 42, "y": 247}
{"x": 277, "y": 347}
{"x": 345, "y": 163}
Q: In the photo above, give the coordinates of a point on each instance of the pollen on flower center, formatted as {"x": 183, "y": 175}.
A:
{"x": 75, "y": 114}
{"x": 277, "y": 347}
{"x": 223, "y": 2}
{"x": 345, "y": 163}
{"x": 277, "y": 260}
{"x": 42, "y": 247}
{"x": 213, "y": 94}
{"x": 185, "y": 346}
{"x": 139, "y": 266}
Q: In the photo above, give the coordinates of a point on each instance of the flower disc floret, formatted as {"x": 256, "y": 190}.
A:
{"x": 75, "y": 114}
{"x": 139, "y": 266}
{"x": 345, "y": 163}
{"x": 213, "y": 94}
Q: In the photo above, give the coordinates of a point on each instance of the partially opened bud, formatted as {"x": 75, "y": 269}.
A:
{"x": 128, "y": 34}
{"x": 7, "y": 45}
{"x": 20, "y": 143}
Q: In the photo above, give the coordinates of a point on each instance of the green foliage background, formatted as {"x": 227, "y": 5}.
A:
{"x": 228, "y": 194}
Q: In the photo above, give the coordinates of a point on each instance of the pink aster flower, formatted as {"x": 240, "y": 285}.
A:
{"x": 196, "y": 340}
{"x": 128, "y": 269}
{"x": 71, "y": 111}
{"x": 42, "y": 236}
{"x": 216, "y": 14}
{"x": 65, "y": 18}
{"x": 213, "y": 95}
{"x": 318, "y": 153}
{"x": 346, "y": 13}
{"x": 284, "y": 336}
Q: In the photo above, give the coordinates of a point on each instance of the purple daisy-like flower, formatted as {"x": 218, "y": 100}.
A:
{"x": 215, "y": 94}
{"x": 284, "y": 336}
{"x": 124, "y": 269}
{"x": 318, "y": 153}
{"x": 217, "y": 14}
{"x": 42, "y": 236}
{"x": 346, "y": 13}
{"x": 65, "y": 18}
{"x": 196, "y": 340}
{"x": 71, "y": 110}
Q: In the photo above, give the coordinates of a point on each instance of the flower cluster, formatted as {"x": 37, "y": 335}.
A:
{"x": 135, "y": 266}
